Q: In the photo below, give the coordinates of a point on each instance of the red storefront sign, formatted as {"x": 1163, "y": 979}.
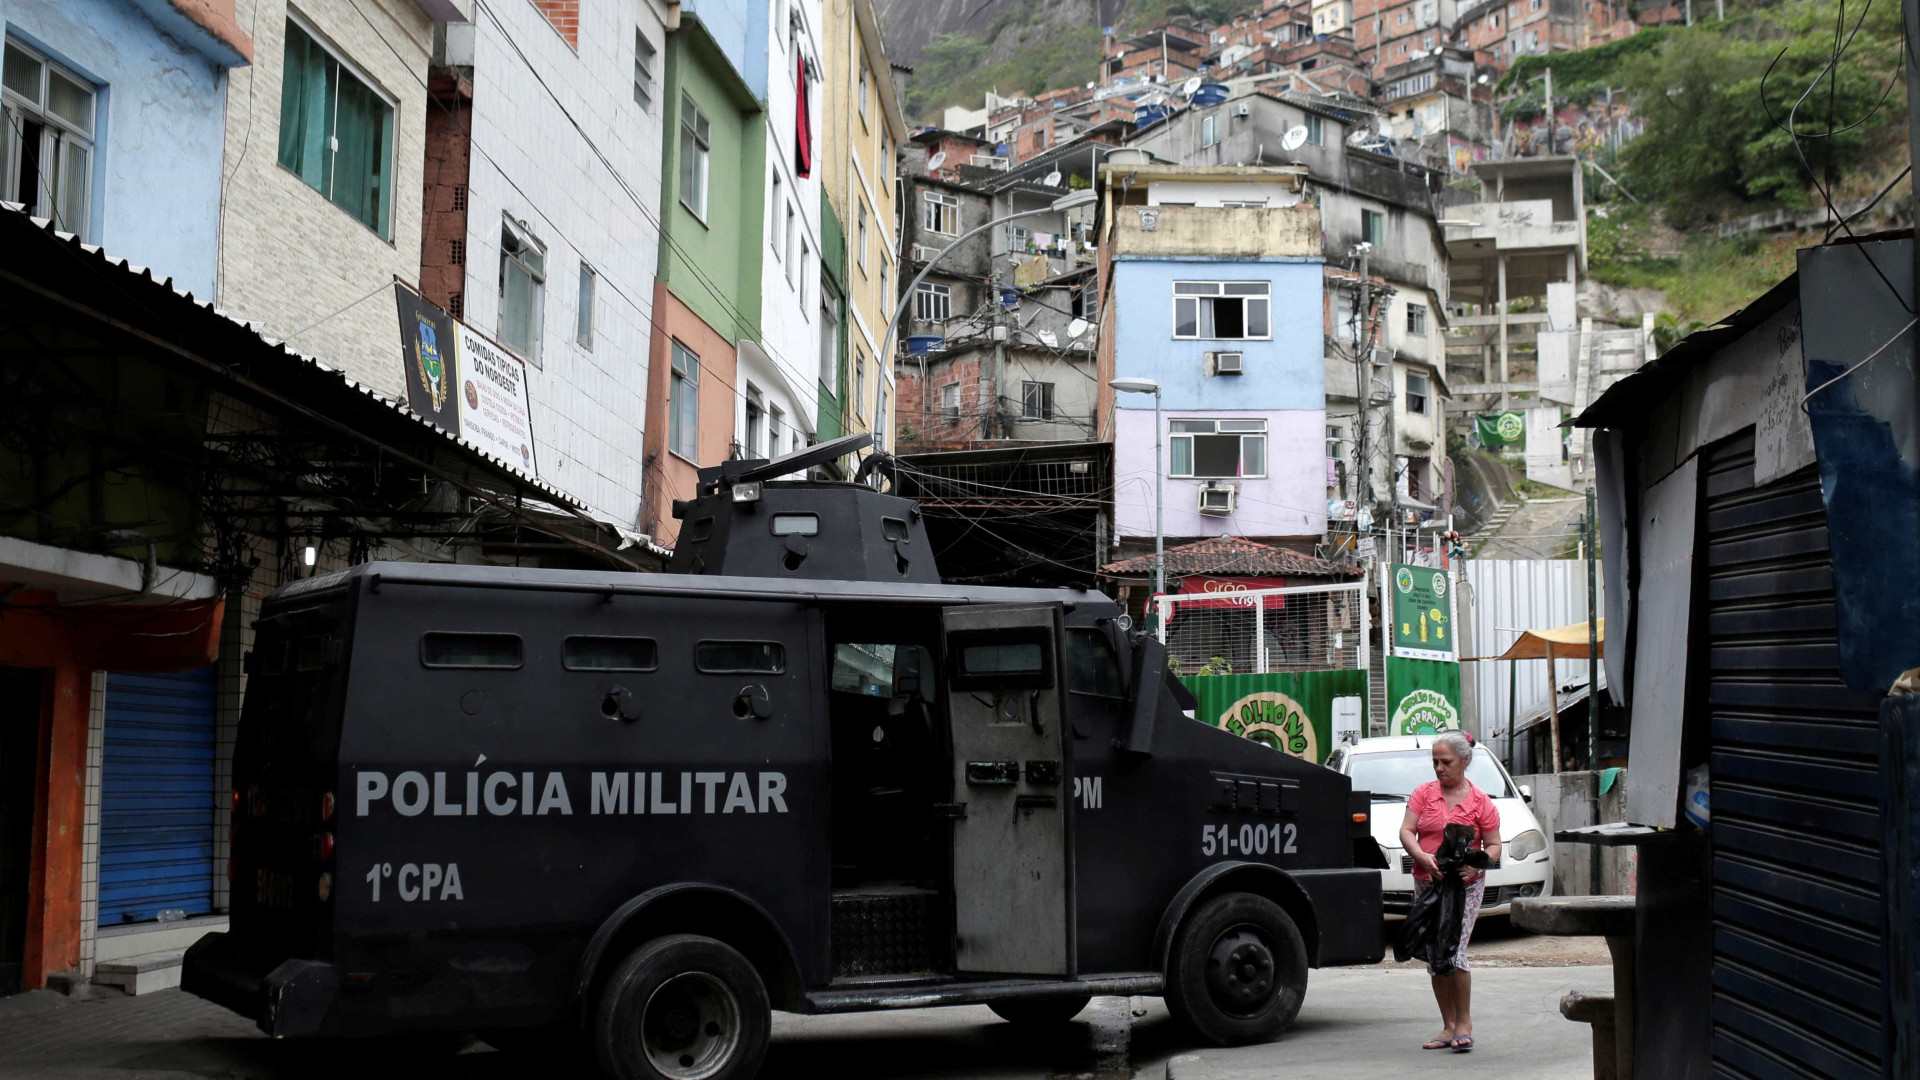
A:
{"x": 1227, "y": 592}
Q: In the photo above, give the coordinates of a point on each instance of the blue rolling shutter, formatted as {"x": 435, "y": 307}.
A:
{"x": 156, "y": 796}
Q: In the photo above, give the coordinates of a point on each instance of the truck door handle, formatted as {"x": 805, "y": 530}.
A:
{"x": 1035, "y": 802}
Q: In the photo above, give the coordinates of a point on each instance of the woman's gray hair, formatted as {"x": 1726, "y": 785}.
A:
{"x": 1457, "y": 742}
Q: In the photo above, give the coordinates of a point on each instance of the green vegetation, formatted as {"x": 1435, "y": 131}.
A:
{"x": 1710, "y": 278}
{"x": 1578, "y": 77}
{"x": 1716, "y": 142}
{"x": 959, "y": 69}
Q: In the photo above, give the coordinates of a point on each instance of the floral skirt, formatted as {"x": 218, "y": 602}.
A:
{"x": 1476, "y": 890}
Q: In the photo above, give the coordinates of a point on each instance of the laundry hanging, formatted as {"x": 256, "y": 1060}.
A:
{"x": 803, "y": 123}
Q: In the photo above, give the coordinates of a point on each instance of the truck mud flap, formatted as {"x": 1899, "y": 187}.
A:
{"x": 1347, "y": 903}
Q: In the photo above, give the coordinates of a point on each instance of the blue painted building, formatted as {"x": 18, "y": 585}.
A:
{"x": 115, "y": 121}
{"x": 1216, "y": 290}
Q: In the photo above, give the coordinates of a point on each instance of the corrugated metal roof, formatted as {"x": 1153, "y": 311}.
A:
{"x": 1232, "y": 556}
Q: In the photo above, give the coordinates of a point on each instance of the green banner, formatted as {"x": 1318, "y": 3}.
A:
{"x": 1423, "y": 696}
{"x": 1422, "y": 600}
{"x": 1297, "y": 712}
{"x": 1501, "y": 429}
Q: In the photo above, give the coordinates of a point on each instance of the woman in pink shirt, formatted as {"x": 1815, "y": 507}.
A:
{"x": 1450, "y": 798}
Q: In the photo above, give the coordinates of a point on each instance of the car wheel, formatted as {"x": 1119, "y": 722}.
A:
{"x": 1238, "y": 971}
{"x": 682, "y": 1008}
{"x": 1040, "y": 1012}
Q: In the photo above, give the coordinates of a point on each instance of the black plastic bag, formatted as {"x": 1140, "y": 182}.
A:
{"x": 1432, "y": 928}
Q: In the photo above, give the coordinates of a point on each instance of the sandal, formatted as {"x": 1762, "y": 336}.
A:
{"x": 1439, "y": 1042}
{"x": 1463, "y": 1044}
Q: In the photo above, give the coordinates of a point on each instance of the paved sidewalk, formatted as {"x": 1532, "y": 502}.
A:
{"x": 1357, "y": 1022}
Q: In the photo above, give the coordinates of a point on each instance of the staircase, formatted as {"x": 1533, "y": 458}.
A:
{"x": 1494, "y": 524}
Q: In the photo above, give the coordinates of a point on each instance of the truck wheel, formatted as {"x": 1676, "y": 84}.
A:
{"x": 682, "y": 1007}
{"x": 1238, "y": 971}
{"x": 1040, "y": 1012}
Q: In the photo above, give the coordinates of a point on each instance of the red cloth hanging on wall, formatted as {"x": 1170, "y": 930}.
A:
{"x": 803, "y": 123}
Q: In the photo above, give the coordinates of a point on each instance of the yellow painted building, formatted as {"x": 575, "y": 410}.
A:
{"x": 861, "y": 127}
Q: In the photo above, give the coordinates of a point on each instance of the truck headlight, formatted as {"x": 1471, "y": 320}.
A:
{"x": 1526, "y": 845}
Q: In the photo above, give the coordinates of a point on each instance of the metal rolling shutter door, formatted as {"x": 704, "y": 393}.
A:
{"x": 156, "y": 796}
{"x": 1797, "y": 915}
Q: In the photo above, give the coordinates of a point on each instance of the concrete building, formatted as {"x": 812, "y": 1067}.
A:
{"x": 1363, "y": 198}
{"x": 706, "y": 296}
{"x": 1211, "y": 278}
{"x": 1440, "y": 109}
{"x": 319, "y": 215}
{"x": 84, "y": 138}
{"x": 1332, "y": 16}
{"x": 543, "y": 235}
{"x": 863, "y": 129}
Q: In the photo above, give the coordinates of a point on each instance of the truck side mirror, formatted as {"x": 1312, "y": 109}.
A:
{"x": 1526, "y": 792}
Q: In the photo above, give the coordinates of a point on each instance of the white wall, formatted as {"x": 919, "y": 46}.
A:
{"x": 789, "y": 331}
{"x": 1207, "y": 193}
{"x": 589, "y": 403}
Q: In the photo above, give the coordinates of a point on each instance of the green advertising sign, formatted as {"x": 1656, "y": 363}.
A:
{"x": 1296, "y": 712}
{"x": 1423, "y": 697}
{"x": 1421, "y": 600}
{"x": 1500, "y": 429}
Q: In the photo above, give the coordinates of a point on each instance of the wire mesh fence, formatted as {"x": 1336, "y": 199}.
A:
{"x": 1256, "y": 631}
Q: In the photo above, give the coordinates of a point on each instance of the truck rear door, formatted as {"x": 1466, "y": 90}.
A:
{"x": 1012, "y": 866}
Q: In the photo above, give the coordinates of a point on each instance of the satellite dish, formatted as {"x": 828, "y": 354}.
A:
{"x": 1294, "y": 139}
{"x": 1187, "y": 88}
{"x": 1053, "y": 179}
{"x": 1077, "y": 327}
{"x": 937, "y": 160}
{"x": 1359, "y": 136}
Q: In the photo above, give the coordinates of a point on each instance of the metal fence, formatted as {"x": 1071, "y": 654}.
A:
{"x": 1255, "y": 631}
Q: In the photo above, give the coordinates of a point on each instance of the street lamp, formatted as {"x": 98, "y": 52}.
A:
{"x": 1149, "y": 386}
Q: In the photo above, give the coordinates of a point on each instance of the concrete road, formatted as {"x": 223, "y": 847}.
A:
{"x": 1357, "y": 1022}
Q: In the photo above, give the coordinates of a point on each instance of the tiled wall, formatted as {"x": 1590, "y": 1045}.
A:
{"x": 90, "y": 835}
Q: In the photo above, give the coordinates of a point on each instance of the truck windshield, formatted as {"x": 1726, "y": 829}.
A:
{"x": 1395, "y": 774}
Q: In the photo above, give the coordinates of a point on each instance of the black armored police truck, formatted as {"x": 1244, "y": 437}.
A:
{"x": 797, "y": 772}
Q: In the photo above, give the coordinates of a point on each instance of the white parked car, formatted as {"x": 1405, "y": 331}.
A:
{"x": 1392, "y": 767}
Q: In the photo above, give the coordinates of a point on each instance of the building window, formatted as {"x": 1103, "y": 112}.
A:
{"x": 1018, "y": 237}
{"x": 683, "y": 404}
{"x": 1314, "y": 133}
{"x": 776, "y": 423}
{"x": 865, "y": 89}
{"x": 806, "y": 264}
{"x": 695, "y": 133}
{"x": 1209, "y": 130}
{"x": 791, "y": 235}
{"x": 523, "y": 288}
{"x": 774, "y": 203}
{"x": 583, "y": 323}
{"x": 1417, "y": 389}
{"x": 1221, "y": 309}
{"x": 860, "y": 237}
{"x": 859, "y": 381}
{"x": 1036, "y": 401}
{"x": 829, "y": 339}
{"x": 950, "y": 402}
{"x": 756, "y": 417}
{"x": 1336, "y": 441}
{"x": 1217, "y": 449}
{"x": 1416, "y": 319}
{"x": 642, "y": 71}
{"x": 940, "y": 212}
{"x": 933, "y": 303}
{"x": 336, "y": 131}
{"x": 46, "y": 139}
{"x": 1373, "y": 227}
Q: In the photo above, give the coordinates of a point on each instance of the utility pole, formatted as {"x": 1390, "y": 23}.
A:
{"x": 991, "y": 378}
{"x": 1593, "y": 670}
{"x": 1549, "y": 104}
{"x": 1910, "y": 15}
{"x": 1362, "y": 382}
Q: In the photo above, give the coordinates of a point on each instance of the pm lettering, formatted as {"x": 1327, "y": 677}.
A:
{"x": 1087, "y": 790}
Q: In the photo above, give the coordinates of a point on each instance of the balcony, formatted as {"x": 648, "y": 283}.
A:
{"x": 1510, "y": 226}
{"x": 1217, "y": 231}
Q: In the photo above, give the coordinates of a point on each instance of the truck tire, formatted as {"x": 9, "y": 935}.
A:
{"x": 1238, "y": 970}
{"x": 1040, "y": 1012}
{"x": 682, "y": 1007}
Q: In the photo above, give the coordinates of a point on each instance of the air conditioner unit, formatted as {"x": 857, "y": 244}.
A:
{"x": 925, "y": 252}
{"x": 1217, "y": 498}
{"x": 1243, "y": 110}
{"x": 1228, "y": 363}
